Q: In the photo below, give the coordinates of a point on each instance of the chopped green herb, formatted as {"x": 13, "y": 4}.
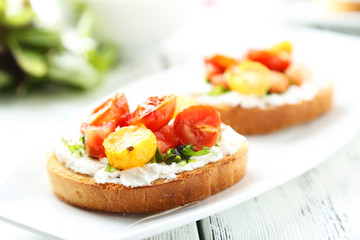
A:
{"x": 173, "y": 155}
{"x": 157, "y": 157}
{"x": 217, "y": 144}
{"x": 211, "y": 151}
{"x": 180, "y": 155}
{"x": 218, "y": 90}
{"x": 110, "y": 168}
{"x": 188, "y": 152}
{"x": 183, "y": 163}
{"x": 77, "y": 150}
{"x": 177, "y": 159}
{"x": 82, "y": 139}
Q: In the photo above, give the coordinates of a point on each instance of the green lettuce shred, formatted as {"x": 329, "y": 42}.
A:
{"x": 181, "y": 155}
{"x": 110, "y": 168}
{"x": 77, "y": 150}
{"x": 218, "y": 90}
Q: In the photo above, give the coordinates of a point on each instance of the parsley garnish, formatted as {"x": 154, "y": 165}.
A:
{"x": 218, "y": 90}
{"x": 110, "y": 168}
{"x": 188, "y": 152}
{"x": 157, "y": 157}
{"x": 180, "y": 155}
{"x": 183, "y": 163}
{"x": 77, "y": 150}
{"x": 82, "y": 139}
{"x": 217, "y": 144}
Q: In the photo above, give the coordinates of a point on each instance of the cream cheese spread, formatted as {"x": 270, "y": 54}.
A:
{"x": 229, "y": 143}
{"x": 293, "y": 95}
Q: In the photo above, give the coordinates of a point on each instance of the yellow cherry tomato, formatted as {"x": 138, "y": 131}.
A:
{"x": 281, "y": 47}
{"x": 183, "y": 102}
{"x": 249, "y": 77}
{"x": 130, "y": 147}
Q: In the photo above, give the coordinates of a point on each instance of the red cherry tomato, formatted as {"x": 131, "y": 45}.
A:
{"x": 279, "y": 82}
{"x": 94, "y": 138}
{"x": 274, "y": 61}
{"x": 220, "y": 61}
{"x": 219, "y": 80}
{"x": 155, "y": 112}
{"x": 215, "y": 76}
{"x": 198, "y": 125}
{"x": 215, "y": 68}
{"x": 114, "y": 109}
{"x": 166, "y": 138}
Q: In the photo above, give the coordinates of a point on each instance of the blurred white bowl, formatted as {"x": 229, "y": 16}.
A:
{"x": 138, "y": 26}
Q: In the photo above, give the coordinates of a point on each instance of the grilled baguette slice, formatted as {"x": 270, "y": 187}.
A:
{"x": 248, "y": 121}
{"x": 189, "y": 186}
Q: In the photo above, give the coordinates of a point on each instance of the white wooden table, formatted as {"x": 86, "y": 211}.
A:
{"x": 321, "y": 204}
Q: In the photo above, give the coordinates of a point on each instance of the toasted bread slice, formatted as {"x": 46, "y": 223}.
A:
{"x": 257, "y": 121}
{"x": 189, "y": 186}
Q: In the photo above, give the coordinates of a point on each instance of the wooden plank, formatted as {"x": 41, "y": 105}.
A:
{"x": 321, "y": 204}
{"x": 185, "y": 232}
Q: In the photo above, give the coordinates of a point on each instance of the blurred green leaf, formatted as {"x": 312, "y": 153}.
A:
{"x": 38, "y": 37}
{"x": 73, "y": 70}
{"x": 23, "y": 18}
{"x": 5, "y": 79}
{"x": 85, "y": 22}
{"x": 104, "y": 57}
{"x": 33, "y": 58}
{"x": 2, "y": 6}
{"x": 30, "y": 61}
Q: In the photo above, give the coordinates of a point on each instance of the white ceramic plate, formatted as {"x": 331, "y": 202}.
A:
{"x": 27, "y": 200}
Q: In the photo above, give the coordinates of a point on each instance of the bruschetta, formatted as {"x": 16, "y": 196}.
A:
{"x": 151, "y": 159}
{"x": 265, "y": 90}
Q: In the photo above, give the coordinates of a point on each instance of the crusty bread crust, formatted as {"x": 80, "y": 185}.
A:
{"x": 189, "y": 186}
{"x": 258, "y": 121}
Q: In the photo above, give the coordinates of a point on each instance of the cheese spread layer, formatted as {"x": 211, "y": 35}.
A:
{"x": 295, "y": 94}
{"x": 229, "y": 143}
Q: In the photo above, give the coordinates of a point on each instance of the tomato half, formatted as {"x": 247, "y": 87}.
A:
{"x": 274, "y": 61}
{"x": 219, "y": 80}
{"x": 220, "y": 61}
{"x": 130, "y": 147}
{"x": 215, "y": 68}
{"x": 279, "y": 82}
{"x": 280, "y": 47}
{"x": 94, "y": 137}
{"x": 213, "y": 71}
{"x": 114, "y": 109}
{"x": 249, "y": 77}
{"x": 198, "y": 125}
{"x": 155, "y": 112}
{"x": 166, "y": 138}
